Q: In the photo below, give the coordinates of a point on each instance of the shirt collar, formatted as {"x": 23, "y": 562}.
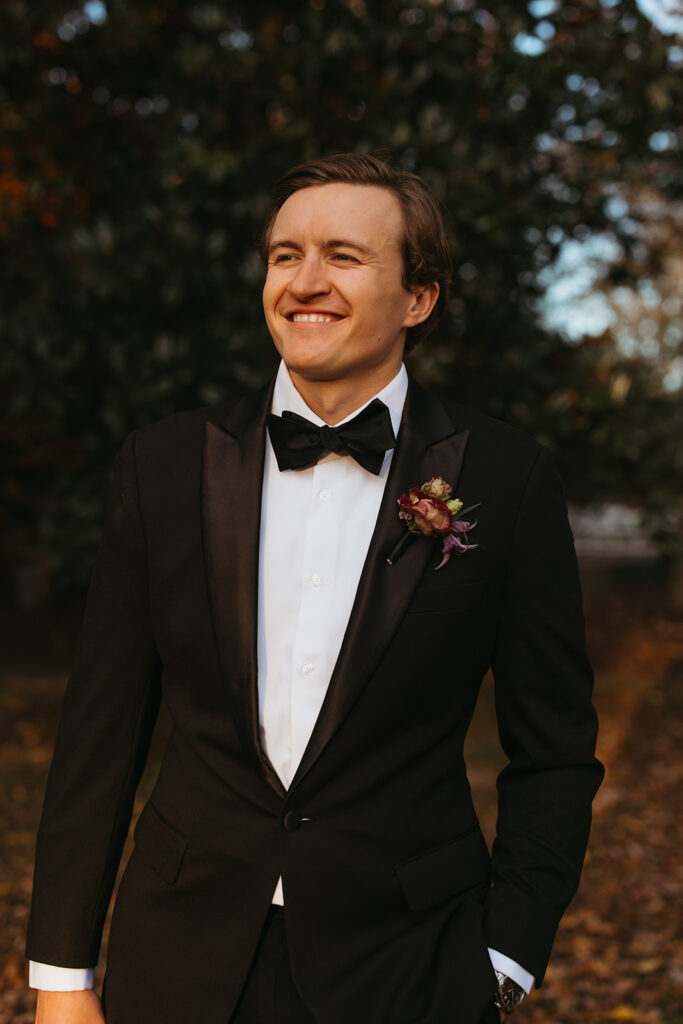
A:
{"x": 286, "y": 396}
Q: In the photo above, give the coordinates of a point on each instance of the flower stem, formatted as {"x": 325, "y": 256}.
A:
{"x": 466, "y": 511}
{"x": 400, "y": 547}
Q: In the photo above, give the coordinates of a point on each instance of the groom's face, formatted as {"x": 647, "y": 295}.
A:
{"x": 334, "y": 300}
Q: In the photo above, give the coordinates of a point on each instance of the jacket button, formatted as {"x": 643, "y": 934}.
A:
{"x": 292, "y": 821}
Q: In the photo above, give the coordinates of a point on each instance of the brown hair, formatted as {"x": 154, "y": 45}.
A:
{"x": 426, "y": 257}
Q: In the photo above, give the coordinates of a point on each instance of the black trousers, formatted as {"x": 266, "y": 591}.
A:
{"x": 269, "y": 995}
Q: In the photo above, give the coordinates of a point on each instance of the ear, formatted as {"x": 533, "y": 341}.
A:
{"x": 424, "y": 300}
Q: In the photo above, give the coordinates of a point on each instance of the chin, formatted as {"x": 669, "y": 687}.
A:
{"x": 307, "y": 362}
{"x": 311, "y": 370}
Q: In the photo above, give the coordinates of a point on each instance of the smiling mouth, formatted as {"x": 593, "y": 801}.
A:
{"x": 313, "y": 318}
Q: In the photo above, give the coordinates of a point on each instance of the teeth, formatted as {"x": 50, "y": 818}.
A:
{"x": 311, "y": 318}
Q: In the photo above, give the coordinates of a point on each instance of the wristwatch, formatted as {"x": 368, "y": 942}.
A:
{"x": 509, "y": 994}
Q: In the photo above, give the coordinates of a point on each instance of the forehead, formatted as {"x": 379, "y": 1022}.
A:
{"x": 368, "y": 213}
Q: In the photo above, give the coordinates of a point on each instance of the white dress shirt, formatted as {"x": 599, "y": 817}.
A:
{"x": 316, "y": 526}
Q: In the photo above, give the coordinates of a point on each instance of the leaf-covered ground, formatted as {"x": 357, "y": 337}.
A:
{"x": 619, "y": 951}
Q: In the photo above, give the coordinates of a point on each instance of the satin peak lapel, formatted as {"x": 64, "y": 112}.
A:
{"x": 232, "y": 481}
{"x": 428, "y": 445}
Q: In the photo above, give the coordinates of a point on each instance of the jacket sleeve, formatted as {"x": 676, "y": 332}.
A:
{"x": 108, "y": 715}
{"x": 547, "y": 726}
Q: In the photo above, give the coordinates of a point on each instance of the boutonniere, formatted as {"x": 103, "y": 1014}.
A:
{"x": 430, "y": 511}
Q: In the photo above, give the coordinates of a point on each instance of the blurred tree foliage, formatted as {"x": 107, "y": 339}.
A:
{"x": 138, "y": 144}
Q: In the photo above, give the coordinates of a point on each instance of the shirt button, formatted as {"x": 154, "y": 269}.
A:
{"x": 316, "y": 580}
{"x": 325, "y": 495}
{"x": 308, "y": 668}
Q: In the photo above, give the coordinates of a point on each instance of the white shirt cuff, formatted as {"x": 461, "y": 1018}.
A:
{"x": 60, "y": 979}
{"x": 512, "y": 969}
{"x": 76, "y": 979}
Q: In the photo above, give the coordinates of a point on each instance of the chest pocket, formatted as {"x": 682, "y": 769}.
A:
{"x": 449, "y": 598}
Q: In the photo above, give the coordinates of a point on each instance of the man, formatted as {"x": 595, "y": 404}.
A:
{"x": 310, "y": 852}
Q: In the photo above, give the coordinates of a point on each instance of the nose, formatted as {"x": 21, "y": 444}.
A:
{"x": 309, "y": 279}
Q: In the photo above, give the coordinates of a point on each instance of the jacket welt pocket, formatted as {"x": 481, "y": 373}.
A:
{"x": 445, "y": 871}
{"x": 449, "y": 599}
{"x": 161, "y": 846}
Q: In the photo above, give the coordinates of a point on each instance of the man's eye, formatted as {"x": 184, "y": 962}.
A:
{"x": 282, "y": 257}
{"x": 344, "y": 257}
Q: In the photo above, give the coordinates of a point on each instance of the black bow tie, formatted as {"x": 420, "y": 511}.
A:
{"x": 298, "y": 443}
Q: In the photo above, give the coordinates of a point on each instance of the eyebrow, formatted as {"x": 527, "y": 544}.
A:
{"x": 331, "y": 243}
{"x": 347, "y": 243}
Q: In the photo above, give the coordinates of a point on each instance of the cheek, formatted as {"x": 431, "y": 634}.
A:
{"x": 273, "y": 287}
{"x": 394, "y": 301}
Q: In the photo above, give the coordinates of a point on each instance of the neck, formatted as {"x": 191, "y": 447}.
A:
{"x": 334, "y": 400}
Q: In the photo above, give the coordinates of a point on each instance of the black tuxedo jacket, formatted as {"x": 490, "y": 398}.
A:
{"x": 391, "y": 894}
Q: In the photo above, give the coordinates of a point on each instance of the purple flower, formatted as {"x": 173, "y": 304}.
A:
{"x": 453, "y": 545}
